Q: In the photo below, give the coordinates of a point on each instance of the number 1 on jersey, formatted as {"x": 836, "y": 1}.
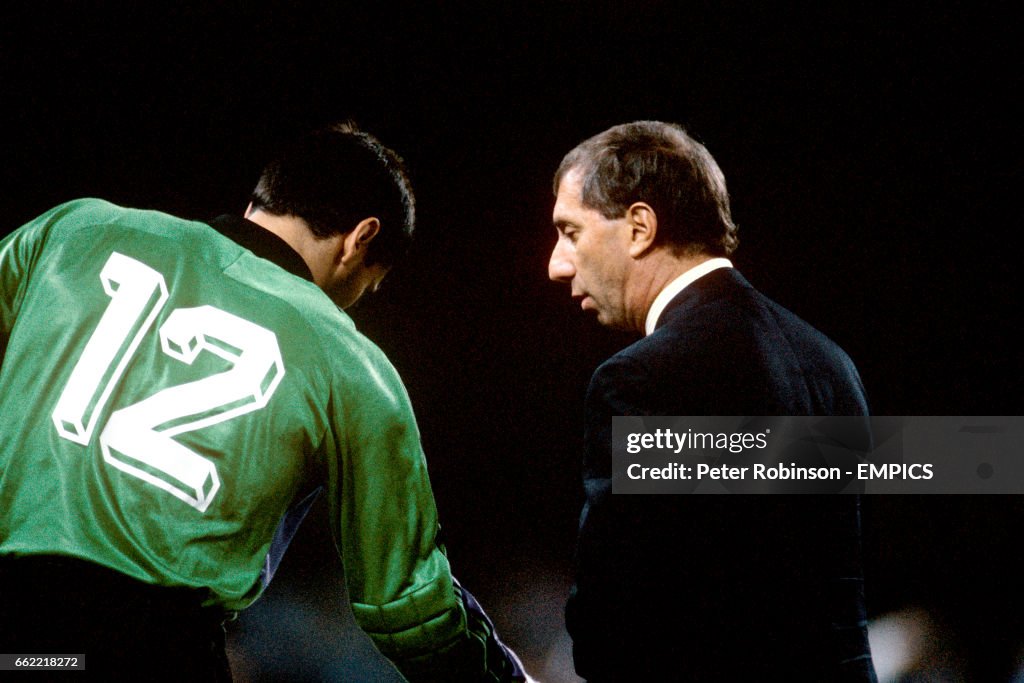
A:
{"x": 137, "y": 293}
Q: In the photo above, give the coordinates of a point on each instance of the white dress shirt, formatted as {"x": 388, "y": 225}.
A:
{"x": 679, "y": 284}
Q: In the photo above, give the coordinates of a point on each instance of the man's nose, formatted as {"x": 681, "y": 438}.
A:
{"x": 560, "y": 267}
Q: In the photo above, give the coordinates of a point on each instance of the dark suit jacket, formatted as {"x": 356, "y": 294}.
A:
{"x": 732, "y": 587}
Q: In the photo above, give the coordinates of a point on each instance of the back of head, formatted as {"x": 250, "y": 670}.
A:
{"x": 336, "y": 177}
{"x": 657, "y": 163}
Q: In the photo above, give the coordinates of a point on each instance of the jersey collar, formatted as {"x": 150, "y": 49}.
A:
{"x": 261, "y": 242}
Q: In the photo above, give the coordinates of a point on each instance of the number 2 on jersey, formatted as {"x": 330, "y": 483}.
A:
{"x": 138, "y": 439}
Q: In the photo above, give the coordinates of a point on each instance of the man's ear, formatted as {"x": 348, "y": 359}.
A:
{"x": 643, "y": 228}
{"x": 357, "y": 241}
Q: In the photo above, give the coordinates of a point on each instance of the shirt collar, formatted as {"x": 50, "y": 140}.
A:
{"x": 261, "y": 242}
{"x": 679, "y": 284}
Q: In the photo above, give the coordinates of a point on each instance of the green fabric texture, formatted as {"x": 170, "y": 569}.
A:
{"x": 184, "y": 461}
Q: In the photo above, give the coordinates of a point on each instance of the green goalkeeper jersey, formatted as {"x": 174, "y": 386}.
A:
{"x": 168, "y": 396}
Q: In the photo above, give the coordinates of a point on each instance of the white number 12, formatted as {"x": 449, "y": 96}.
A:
{"x": 137, "y": 439}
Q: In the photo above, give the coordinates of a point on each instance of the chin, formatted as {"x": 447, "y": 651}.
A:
{"x": 609, "y": 322}
{"x": 343, "y": 302}
{"x": 617, "y": 324}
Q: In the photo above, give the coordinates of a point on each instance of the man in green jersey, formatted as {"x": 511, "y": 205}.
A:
{"x": 174, "y": 395}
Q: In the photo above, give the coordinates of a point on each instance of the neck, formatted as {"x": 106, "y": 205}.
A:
{"x": 662, "y": 268}
{"x": 299, "y": 237}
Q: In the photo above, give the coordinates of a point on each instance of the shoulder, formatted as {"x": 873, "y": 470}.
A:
{"x": 361, "y": 372}
{"x": 724, "y": 348}
{"x": 90, "y": 210}
{"x": 626, "y": 365}
{"x": 68, "y": 216}
{"x": 724, "y": 311}
{"x": 93, "y": 218}
{"x": 368, "y": 394}
{"x": 624, "y": 382}
{"x": 83, "y": 208}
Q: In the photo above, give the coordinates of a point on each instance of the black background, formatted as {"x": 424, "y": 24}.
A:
{"x": 871, "y": 156}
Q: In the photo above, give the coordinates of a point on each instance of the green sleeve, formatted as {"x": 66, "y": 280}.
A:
{"x": 400, "y": 583}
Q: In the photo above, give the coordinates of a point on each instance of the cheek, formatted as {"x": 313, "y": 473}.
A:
{"x": 594, "y": 264}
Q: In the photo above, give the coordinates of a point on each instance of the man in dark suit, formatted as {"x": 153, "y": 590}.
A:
{"x": 681, "y": 588}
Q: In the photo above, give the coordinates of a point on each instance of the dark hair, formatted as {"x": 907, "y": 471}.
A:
{"x": 336, "y": 177}
{"x": 656, "y": 163}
